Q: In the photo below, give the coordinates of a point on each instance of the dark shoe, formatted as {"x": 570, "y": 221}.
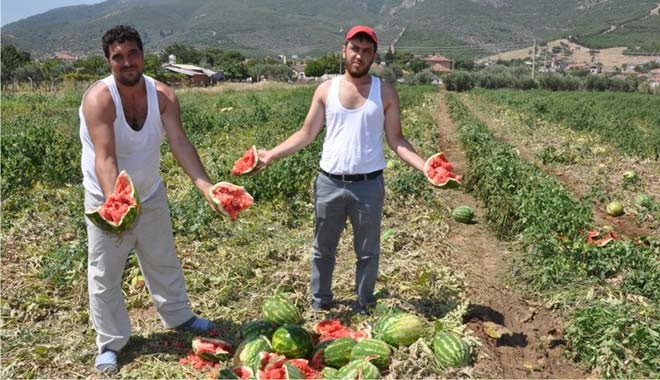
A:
{"x": 198, "y": 324}
{"x": 321, "y": 306}
{"x": 361, "y": 310}
{"x": 106, "y": 362}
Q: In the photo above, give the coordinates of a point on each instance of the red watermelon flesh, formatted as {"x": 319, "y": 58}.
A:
{"x": 120, "y": 210}
{"x": 232, "y": 199}
{"x": 329, "y": 329}
{"x": 305, "y": 369}
{"x": 247, "y": 163}
{"x": 440, "y": 172}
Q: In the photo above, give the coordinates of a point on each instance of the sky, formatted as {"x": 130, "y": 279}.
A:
{"x": 14, "y": 10}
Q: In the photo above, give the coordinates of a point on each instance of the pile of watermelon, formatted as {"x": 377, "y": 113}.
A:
{"x": 279, "y": 347}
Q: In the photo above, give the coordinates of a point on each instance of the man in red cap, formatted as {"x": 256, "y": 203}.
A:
{"x": 359, "y": 111}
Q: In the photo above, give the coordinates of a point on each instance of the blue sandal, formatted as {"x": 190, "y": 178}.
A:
{"x": 106, "y": 362}
{"x": 199, "y": 324}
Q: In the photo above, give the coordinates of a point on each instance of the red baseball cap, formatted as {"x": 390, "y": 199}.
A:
{"x": 357, "y": 29}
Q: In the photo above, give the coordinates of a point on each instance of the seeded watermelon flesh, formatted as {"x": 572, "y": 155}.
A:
{"x": 120, "y": 211}
{"x": 247, "y": 163}
{"x": 230, "y": 198}
{"x": 440, "y": 172}
{"x": 210, "y": 349}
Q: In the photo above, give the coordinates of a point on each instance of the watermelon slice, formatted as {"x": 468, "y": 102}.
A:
{"x": 211, "y": 349}
{"x": 120, "y": 210}
{"x": 230, "y": 198}
{"x": 440, "y": 172}
{"x": 247, "y": 163}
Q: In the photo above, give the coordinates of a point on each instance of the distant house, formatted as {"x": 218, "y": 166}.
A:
{"x": 440, "y": 64}
{"x": 64, "y": 57}
{"x": 196, "y": 74}
{"x": 596, "y": 68}
{"x": 299, "y": 72}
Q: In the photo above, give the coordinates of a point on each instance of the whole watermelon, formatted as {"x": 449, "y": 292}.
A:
{"x": 463, "y": 214}
{"x": 376, "y": 349}
{"x": 281, "y": 310}
{"x": 401, "y": 329}
{"x": 450, "y": 350}
{"x": 333, "y": 353}
{"x": 258, "y": 327}
{"x": 358, "y": 369}
{"x": 292, "y": 341}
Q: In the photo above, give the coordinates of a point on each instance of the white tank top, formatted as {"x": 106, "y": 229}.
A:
{"x": 138, "y": 152}
{"x": 353, "y": 141}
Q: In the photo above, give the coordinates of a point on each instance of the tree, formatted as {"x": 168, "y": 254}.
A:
{"x": 314, "y": 69}
{"x": 12, "y": 59}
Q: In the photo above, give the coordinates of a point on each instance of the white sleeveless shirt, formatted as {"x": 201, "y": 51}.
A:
{"x": 353, "y": 141}
{"x": 138, "y": 152}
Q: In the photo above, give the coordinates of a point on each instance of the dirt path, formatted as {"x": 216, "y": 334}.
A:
{"x": 535, "y": 347}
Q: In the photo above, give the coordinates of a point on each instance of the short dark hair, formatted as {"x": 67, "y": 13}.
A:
{"x": 120, "y": 33}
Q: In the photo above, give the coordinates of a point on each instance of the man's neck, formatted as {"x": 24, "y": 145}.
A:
{"x": 359, "y": 81}
{"x": 130, "y": 90}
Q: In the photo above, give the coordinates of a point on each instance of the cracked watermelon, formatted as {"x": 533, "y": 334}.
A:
{"x": 211, "y": 349}
{"x": 247, "y": 163}
{"x": 230, "y": 199}
{"x": 249, "y": 352}
{"x": 120, "y": 211}
{"x": 440, "y": 172}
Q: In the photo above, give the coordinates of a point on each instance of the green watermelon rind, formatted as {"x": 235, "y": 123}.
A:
{"x": 258, "y": 327}
{"x": 336, "y": 352}
{"x": 127, "y": 221}
{"x": 450, "y": 350}
{"x": 292, "y": 341}
{"x": 463, "y": 214}
{"x": 379, "y": 351}
{"x": 358, "y": 369}
{"x": 281, "y": 310}
{"x": 401, "y": 329}
{"x": 329, "y": 373}
{"x": 249, "y": 351}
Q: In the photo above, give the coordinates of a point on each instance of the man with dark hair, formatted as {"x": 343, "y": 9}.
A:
{"x": 359, "y": 110}
{"x": 123, "y": 121}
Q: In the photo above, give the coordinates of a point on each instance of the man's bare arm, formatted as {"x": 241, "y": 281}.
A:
{"x": 99, "y": 113}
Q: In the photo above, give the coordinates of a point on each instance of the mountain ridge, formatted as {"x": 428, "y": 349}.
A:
{"x": 314, "y": 27}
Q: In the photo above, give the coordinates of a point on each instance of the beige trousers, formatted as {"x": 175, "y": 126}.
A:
{"x": 152, "y": 239}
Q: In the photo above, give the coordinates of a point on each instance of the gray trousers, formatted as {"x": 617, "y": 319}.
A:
{"x": 152, "y": 239}
{"x": 362, "y": 203}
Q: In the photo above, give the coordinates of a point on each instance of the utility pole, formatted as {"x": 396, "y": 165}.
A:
{"x": 534, "y": 59}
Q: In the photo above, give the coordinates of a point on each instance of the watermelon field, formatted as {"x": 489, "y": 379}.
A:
{"x": 531, "y": 286}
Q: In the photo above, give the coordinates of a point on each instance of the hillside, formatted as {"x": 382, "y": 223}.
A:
{"x": 455, "y": 28}
{"x": 610, "y": 58}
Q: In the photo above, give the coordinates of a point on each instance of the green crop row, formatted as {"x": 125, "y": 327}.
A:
{"x": 629, "y": 121}
{"x": 525, "y": 203}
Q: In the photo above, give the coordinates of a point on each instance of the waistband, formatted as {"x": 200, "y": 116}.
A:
{"x": 353, "y": 177}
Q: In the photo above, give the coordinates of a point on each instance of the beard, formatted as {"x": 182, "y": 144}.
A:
{"x": 356, "y": 73}
{"x": 129, "y": 78}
